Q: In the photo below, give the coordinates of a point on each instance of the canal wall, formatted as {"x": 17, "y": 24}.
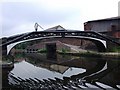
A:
{"x": 60, "y": 42}
{"x": 109, "y": 55}
{"x": 42, "y": 45}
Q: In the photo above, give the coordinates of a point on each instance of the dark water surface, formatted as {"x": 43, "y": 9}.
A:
{"x": 37, "y": 72}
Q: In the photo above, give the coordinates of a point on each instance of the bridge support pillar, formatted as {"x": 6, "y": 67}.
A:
{"x": 51, "y": 51}
{"x": 3, "y": 48}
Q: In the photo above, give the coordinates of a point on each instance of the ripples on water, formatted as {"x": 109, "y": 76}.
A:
{"x": 35, "y": 71}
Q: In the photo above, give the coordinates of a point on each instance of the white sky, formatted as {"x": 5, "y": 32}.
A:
{"x": 20, "y": 16}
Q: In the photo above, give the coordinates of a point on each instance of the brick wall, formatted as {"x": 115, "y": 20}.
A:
{"x": 104, "y": 26}
{"x": 84, "y": 44}
{"x": 116, "y": 34}
{"x": 42, "y": 45}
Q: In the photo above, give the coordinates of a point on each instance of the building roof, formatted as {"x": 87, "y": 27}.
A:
{"x": 56, "y": 28}
{"x": 106, "y": 19}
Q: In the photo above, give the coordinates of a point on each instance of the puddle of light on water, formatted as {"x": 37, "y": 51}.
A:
{"x": 26, "y": 70}
{"x": 118, "y": 86}
{"x": 74, "y": 71}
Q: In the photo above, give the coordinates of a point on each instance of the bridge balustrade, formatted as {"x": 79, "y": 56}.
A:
{"x": 95, "y": 37}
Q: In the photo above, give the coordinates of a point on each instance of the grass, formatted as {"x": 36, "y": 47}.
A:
{"x": 8, "y": 58}
{"x": 114, "y": 49}
{"x": 64, "y": 50}
{"x": 86, "y": 54}
{"x": 43, "y": 50}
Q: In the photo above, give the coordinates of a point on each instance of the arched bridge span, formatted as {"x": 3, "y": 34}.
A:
{"x": 96, "y": 38}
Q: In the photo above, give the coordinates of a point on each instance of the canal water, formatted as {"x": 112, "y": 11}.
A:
{"x": 35, "y": 71}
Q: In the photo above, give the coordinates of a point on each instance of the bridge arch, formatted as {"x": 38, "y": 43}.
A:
{"x": 101, "y": 44}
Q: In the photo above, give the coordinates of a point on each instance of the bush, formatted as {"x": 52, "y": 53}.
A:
{"x": 64, "y": 50}
{"x": 114, "y": 49}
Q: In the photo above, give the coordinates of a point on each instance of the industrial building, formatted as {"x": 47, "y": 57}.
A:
{"x": 108, "y": 26}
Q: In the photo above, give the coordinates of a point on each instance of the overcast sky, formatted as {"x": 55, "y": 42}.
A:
{"x": 20, "y": 16}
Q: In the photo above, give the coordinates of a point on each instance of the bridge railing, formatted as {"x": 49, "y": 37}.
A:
{"x": 31, "y": 35}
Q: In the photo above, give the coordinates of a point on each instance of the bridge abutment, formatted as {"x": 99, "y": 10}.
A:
{"x": 4, "y": 50}
{"x": 4, "y": 47}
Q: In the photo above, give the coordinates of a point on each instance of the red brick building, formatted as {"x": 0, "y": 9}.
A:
{"x": 109, "y": 26}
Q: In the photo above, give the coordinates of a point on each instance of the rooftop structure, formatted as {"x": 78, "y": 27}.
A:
{"x": 56, "y": 28}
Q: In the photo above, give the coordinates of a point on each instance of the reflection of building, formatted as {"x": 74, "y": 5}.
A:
{"x": 41, "y": 60}
{"x": 54, "y": 67}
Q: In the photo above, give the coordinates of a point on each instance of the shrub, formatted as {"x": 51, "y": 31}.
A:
{"x": 64, "y": 50}
{"x": 114, "y": 49}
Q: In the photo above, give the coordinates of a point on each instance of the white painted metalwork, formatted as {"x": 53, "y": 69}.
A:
{"x": 10, "y": 46}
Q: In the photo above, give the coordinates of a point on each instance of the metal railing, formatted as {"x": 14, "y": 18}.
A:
{"x": 31, "y": 35}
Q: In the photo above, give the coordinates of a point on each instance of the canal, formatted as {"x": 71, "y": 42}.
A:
{"x": 35, "y": 71}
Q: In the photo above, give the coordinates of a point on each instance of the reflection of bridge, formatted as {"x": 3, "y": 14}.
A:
{"x": 99, "y": 40}
{"x": 100, "y": 77}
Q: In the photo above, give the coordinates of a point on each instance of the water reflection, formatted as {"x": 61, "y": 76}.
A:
{"x": 65, "y": 70}
{"x": 7, "y": 66}
{"x": 43, "y": 71}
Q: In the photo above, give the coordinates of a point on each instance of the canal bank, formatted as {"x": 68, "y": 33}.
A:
{"x": 111, "y": 55}
{"x": 81, "y": 52}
